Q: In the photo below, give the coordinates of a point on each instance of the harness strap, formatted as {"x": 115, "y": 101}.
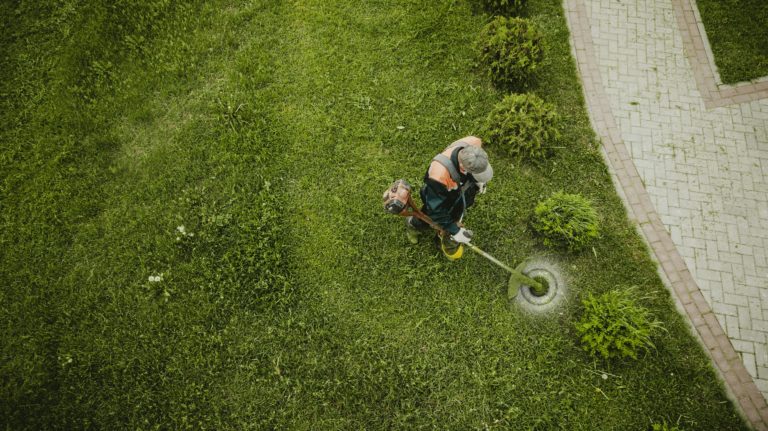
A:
{"x": 445, "y": 161}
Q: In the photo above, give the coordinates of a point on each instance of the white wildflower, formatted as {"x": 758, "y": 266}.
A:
{"x": 66, "y": 359}
{"x": 183, "y": 233}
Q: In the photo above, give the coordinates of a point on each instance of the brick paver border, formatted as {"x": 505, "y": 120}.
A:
{"x": 672, "y": 267}
{"x": 699, "y": 54}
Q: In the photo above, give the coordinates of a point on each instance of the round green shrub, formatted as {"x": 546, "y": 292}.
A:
{"x": 566, "y": 220}
{"x": 502, "y": 7}
{"x": 665, "y": 427}
{"x": 523, "y": 126}
{"x": 615, "y": 325}
{"x": 511, "y": 50}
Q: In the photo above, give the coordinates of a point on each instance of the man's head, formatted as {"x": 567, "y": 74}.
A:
{"x": 475, "y": 161}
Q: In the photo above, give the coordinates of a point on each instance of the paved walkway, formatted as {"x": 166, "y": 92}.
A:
{"x": 690, "y": 157}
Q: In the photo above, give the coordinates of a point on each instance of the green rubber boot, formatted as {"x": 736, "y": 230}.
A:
{"x": 411, "y": 232}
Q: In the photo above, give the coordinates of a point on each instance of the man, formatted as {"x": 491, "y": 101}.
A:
{"x": 452, "y": 181}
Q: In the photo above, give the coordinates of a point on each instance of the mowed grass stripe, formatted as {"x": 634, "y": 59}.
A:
{"x": 112, "y": 348}
{"x": 392, "y": 305}
{"x": 382, "y": 320}
{"x": 374, "y": 323}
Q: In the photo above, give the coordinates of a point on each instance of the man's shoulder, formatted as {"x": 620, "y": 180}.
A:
{"x": 440, "y": 174}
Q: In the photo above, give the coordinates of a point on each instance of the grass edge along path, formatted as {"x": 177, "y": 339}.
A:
{"x": 737, "y": 31}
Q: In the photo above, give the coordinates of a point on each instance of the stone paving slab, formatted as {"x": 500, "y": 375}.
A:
{"x": 690, "y": 158}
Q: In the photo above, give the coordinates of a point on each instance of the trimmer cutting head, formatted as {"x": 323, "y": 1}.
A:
{"x": 536, "y": 300}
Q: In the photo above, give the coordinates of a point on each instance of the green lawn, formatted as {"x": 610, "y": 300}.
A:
{"x": 289, "y": 300}
{"x": 738, "y": 33}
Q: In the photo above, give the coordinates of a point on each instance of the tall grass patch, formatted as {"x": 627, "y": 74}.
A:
{"x": 616, "y": 325}
{"x": 565, "y": 220}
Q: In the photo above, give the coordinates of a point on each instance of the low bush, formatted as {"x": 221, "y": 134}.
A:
{"x": 615, "y": 325}
{"x": 664, "y": 426}
{"x": 502, "y": 7}
{"x": 566, "y": 220}
{"x": 523, "y": 126}
{"x": 511, "y": 50}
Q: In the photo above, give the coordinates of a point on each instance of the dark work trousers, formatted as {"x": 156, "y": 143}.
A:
{"x": 456, "y": 214}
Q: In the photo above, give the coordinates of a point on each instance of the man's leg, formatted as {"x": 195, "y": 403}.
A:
{"x": 414, "y": 227}
{"x": 450, "y": 248}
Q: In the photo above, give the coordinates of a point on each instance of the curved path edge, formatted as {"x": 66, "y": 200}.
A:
{"x": 671, "y": 265}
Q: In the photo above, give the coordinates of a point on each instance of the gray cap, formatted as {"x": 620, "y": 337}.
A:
{"x": 475, "y": 161}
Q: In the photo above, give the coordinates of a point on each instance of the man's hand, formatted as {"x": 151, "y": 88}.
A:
{"x": 481, "y": 188}
{"x": 463, "y": 236}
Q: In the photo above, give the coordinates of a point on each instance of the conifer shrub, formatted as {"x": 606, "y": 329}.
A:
{"x": 664, "y": 426}
{"x": 615, "y": 325}
{"x": 511, "y": 50}
{"x": 523, "y": 126}
{"x": 566, "y": 221}
{"x": 503, "y": 7}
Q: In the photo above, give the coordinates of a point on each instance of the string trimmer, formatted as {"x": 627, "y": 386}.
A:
{"x": 398, "y": 201}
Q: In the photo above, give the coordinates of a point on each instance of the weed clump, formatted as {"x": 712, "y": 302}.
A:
{"x": 615, "y": 325}
{"x": 511, "y": 50}
{"x": 664, "y": 426}
{"x": 523, "y": 126}
{"x": 503, "y": 7}
{"x": 566, "y": 220}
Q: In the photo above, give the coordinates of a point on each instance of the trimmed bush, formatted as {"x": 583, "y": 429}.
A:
{"x": 615, "y": 325}
{"x": 665, "y": 427}
{"x": 566, "y": 220}
{"x": 502, "y": 7}
{"x": 511, "y": 50}
{"x": 523, "y": 126}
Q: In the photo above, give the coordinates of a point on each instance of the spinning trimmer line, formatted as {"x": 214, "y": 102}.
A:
{"x": 398, "y": 201}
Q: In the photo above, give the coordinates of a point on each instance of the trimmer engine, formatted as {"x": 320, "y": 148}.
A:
{"x": 397, "y": 196}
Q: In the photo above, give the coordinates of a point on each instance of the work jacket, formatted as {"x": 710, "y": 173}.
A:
{"x": 445, "y": 200}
